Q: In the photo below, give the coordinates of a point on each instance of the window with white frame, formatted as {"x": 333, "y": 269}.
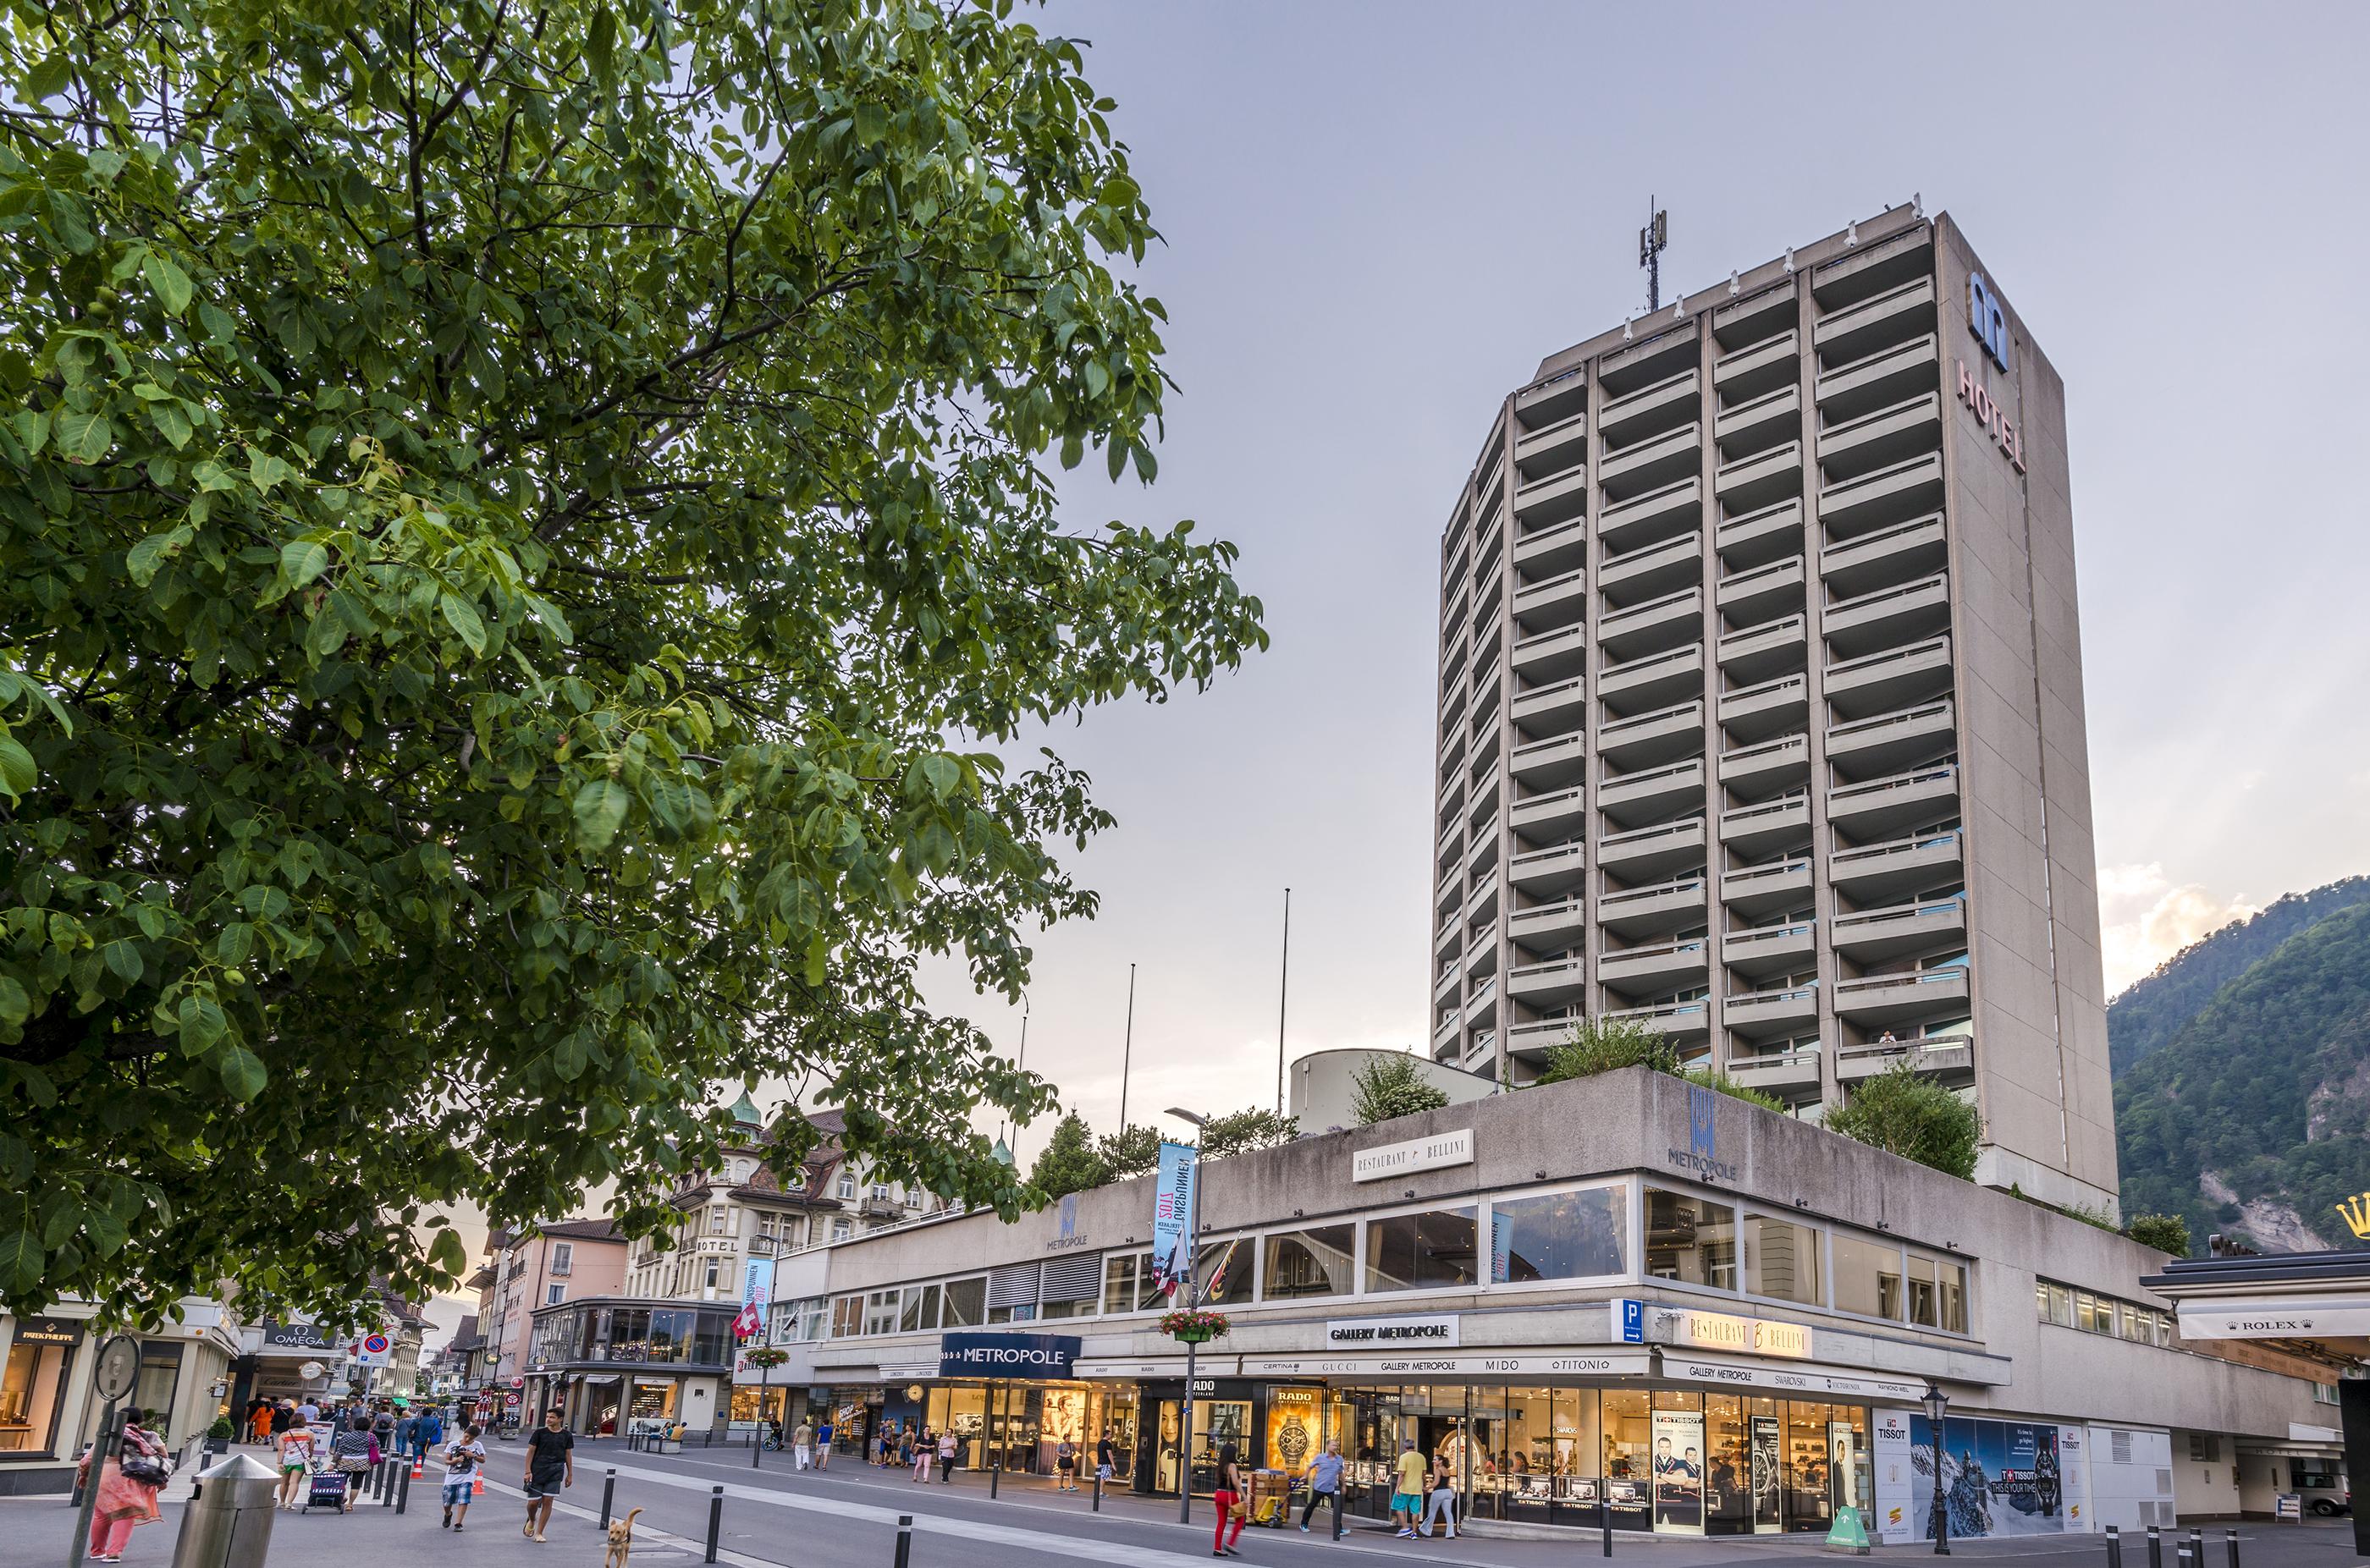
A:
{"x": 552, "y": 1295}
{"x": 563, "y": 1257}
{"x": 847, "y": 1184}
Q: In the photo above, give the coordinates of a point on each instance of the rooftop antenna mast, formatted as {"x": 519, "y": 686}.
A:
{"x": 1651, "y": 241}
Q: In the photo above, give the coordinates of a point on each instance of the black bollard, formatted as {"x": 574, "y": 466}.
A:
{"x": 2231, "y": 1540}
{"x": 400, "y": 1469}
{"x": 904, "y": 1541}
{"x": 2156, "y": 1547}
{"x": 2196, "y": 1547}
{"x": 608, "y": 1492}
{"x": 2180, "y": 1553}
{"x": 1605, "y": 1518}
{"x": 2114, "y": 1547}
{"x": 715, "y": 1522}
{"x": 1099, "y": 1489}
{"x": 403, "y": 1490}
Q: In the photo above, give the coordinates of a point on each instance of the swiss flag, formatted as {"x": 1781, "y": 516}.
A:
{"x": 748, "y": 1321}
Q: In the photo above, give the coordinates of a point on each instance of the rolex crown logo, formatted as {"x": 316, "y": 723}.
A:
{"x": 2355, "y": 1211}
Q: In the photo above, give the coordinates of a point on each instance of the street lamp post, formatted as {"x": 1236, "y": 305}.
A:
{"x": 1935, "y": 1401}
{"x": 1193, "y": 1292}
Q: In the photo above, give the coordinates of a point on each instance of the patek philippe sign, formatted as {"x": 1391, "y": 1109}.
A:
{"x": 1007, "y": 1355}
{"x": 1360, "y": 1333}
{"x": 1405, "y": 1158}
{"x": 48, "y": 1331}
{"x": 1721, "y": 1330}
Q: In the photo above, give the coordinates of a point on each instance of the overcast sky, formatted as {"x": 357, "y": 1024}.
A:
{"x": 1380, "y": 218}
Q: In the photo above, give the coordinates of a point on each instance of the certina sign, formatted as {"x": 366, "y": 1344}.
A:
{"x": 1346, "y": 1333}
{"x": 1404, "y": 1159}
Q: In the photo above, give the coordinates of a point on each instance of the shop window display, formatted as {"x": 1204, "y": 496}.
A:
{"x": 1629, "y": 1457}
{"x": 31, "y": 1397}
{"x": 1781, "y": 1260}
{"x": 1574, "y": 1235}
{"x": 1318, "y": 1261}
{"x": 1868, "y": 1278}
{"x": 1415, "y": 1252}
{"x": 1690, "y": 1239}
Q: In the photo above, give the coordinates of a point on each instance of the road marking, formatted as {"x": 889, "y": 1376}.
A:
{"x": 644, "y": 1533}
{"x": 934, "y": 1524}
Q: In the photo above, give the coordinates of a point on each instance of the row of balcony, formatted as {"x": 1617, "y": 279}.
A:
{"x": 1648, "y": 746}
{"x": 1663, "y": 909}
{"x": 1689, "y": 1024}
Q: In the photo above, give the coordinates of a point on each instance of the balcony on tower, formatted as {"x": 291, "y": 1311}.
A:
{"x": 1551, "y": 656}
{"x": 1757, "y": 831}
{"x": 1651, "y": 795}
{"x": 1755, "y": 538}
{"x": 1758, "y": 594}
{"x": 1895, "y": 868}
{"x": 1551, "y": 550}
{"x": 1651, "y": 463}
{"x": 1894, "y": 493}
{"x": 1650, "y": 626}
{"x": 1898, "y": 315}
{"x": 1550, "y": 982}
{"x": 1636, "y": 418}
{"x": 1782, "y": 947}
{"x": 1551, "y": 814}
{"x": 1881, "y": 438}
{"x": 1653, "y": 570}
{"x": 1655, "y": 968}
{"x": 1758, "y": 369}
{"x": 1551, "y": 924}
{"x": 1784, "y": 1011}
{"x": 1754, "y": 654}
{"x": 1888, "y": 617}
{"x": 1635, "y": 913}
{"x": 1551, "y": 602}
{"x": 1894, "y": 802}
{"x": 1656, "y": 514}
{"x": 1749, "y": 714}
{"x": 1556, "y": 762}
{"x": 1753, "y": 890}
{"x": 1868, "y": 747}
{"x": 1650, "y": 740}
{"x": 1896, "y": 677}
{"x": 1871, "y": 935}
{"x": 1884, "y": 556}
{"x": 1554, "y": 869}
{"x": 1652, "y": 681}
{"x": 1638, "y": 855}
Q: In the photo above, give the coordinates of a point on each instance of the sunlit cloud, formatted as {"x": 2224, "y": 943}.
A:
{"x": 2144, "y": 919}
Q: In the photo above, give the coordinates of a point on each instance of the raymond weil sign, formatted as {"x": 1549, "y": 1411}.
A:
{"x": 1717, "y": 1330}
{"x": 1358, "y": 1333}
{"x": 1433, "y": 1153}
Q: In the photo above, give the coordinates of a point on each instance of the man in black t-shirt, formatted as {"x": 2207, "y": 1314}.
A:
{"x": 550, "y": 1465}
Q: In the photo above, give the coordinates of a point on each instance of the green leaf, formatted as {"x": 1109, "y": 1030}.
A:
{"x": 18, "y": 773}
{"x": 21, "y": 1263}
{"x": 600, "y": 811}
{"x": 242, "y": 1074}
{"x": 145, "y": 559}
{"x": 600, "y": 45}
{"x": 448, "y": 1252}
{"x": 32, "y": 427}
{"x": 49, "y": 78}
{"x": 123, "y": 958}
{"x": 15, "y": 1005}
{"x": 172, "y": 284}
{"x": 461, "y": 616}
{"x": 302, "y": 560}
{"x": 202, "y": 1024}
{"x": 83, "y": 438}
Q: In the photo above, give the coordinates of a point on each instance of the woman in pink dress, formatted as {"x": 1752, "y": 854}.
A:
{"x": 123, "y": 1500}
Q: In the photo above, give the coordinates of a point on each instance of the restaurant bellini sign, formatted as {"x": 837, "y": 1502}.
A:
{"x": 1435, "y": 1153}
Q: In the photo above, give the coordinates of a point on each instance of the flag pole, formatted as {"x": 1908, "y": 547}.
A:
{"x": 1282, "y": 992}
{"x": 1127, "y": 1050}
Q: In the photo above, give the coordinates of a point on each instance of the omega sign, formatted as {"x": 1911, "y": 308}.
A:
{"x": 1405, "y": 1158}
{"x": 1352, "y": 1333}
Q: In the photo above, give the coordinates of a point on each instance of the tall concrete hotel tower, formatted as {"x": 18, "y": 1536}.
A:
{"x": 1761, "y": 704}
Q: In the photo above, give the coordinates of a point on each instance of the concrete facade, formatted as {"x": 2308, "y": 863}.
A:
{"x": 1761, "y": 714}
{"x": 1654, "y": 1140}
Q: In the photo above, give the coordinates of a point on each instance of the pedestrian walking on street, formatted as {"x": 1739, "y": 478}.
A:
{"x": 1442, "y": 1505}
{"x": 1407, "y": 1489}
{"x": 1106, "y": 1458}
{"x": 1234, "y": 1502}
{"x": 460, "y": 1462}
{"x": 1065, "y": 1465}
{"x": 803, "y": 1443}
{"x": 308, "y": 1413}
{"x": 128, "y": 1484}
{"x": 356, "y": 1451}
{"x": 550, "y": 1465}
{"x": 949, "y": 1450}
{"x": 926, "y": 1449}
{"x": 295, "y": 1465}
{"x": 432, "y": 1432}
{"x": 823, "y": 1444}
{"x": 283, "y": 1416}
{"x": 406, "y": 1433}
{"x": 1325, "y": 1485}
{"x": 259, "y": 1421}
{"x": 382, "y": 1428}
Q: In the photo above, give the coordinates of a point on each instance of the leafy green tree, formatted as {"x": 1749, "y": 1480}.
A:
{"x": 1131, "y": 1151}
{"x": 1721, "y": 1084}
{"x": 1389, "y": 1087}
{"x": 1245, "y": 1131}
{"x": 516, "y": 524}
{"x": 2165, "y": 1233}
{"x": 1069, "y": 1161}
{"x": 1905, "y": 1113}
{"x": 1606, "y": 1044}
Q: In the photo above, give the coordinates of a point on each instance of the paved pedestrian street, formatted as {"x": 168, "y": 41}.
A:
{"x": 772, "y": 1518}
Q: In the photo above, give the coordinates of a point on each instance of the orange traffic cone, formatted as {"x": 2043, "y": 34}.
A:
{"x": 416, "y": 1467}
{"x": 476, "y": 1486}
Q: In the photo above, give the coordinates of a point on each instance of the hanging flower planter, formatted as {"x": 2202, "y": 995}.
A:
{"x": 1190, "y": 1325}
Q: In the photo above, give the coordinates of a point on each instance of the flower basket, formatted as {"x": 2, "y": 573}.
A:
{"x": 1189, "y": 1325}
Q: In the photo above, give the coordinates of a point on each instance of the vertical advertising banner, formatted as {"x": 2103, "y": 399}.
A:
{"x": 1768, "y": 1475}
{"x": 1679, "y": 1471}
{"x": 2074, "y": 1476}
{"x": 756, "y": 1290}
{"x": 1889, "y": 1445}
{"x": 1172, "y": 1214}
